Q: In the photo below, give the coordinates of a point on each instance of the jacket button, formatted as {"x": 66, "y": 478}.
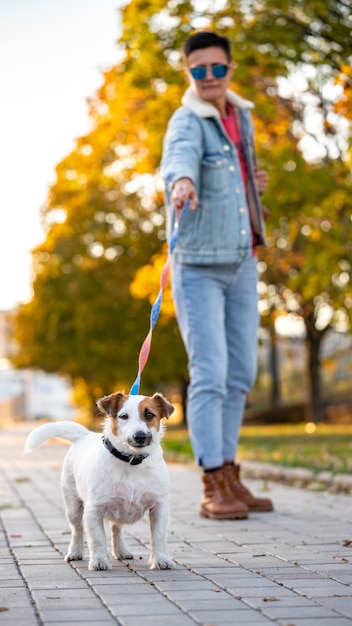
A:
{"x": 232, "y": 168}
{"x": 241, "y": 209}
{"x": 226, "y": 148}
{"x": 243, "y": 231}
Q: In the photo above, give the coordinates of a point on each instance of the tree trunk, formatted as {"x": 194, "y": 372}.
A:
{"x": 184, "y": 387}
{"x": 275, "y": 392}
{"x": 316, "y": 412}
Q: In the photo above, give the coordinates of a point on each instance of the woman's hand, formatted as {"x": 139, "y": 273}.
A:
{"x": 182, "y": 191}
{"x": 261, "y": 177}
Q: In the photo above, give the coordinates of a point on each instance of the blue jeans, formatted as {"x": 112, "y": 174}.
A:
{"x": 217, "y": 312}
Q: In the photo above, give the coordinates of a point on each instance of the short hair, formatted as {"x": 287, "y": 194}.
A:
{"x": 206, "y": 39}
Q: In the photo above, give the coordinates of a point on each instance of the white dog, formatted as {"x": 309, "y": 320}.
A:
{"x": 116, "y": 477}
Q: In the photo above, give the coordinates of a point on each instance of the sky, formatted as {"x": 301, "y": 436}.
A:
{"x": 53, "y": 53}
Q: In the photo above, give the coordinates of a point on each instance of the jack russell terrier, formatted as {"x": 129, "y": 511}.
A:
{"x": 117, "y": 477}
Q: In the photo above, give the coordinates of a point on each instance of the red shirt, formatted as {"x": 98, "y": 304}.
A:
{"x": 233, "y": 131}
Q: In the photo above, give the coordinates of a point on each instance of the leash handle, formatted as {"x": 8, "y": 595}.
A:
{"x": 155, "y": 311}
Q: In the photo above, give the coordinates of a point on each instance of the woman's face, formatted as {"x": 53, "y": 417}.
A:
{"x": 210, "y": 88}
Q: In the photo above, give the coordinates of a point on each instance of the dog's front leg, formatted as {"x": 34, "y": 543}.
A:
{"x": 94, "y": 525}
{"x": 158, "y": 516}
{"x": 120, "y": 549}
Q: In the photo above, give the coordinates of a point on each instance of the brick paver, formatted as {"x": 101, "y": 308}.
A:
{"x": 291, "y": 567}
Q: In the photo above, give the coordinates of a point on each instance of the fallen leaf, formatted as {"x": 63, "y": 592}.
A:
{"x": 316, "y": 485}
{"x": 272, "y": 599}
{"x": 4, "y": 608}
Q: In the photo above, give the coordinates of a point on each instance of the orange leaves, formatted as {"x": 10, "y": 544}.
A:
{"x": 146, "y": 284}
{"x": 343, "y": 105}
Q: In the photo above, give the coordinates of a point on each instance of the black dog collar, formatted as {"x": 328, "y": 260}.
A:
{"x": 128, "y": 458}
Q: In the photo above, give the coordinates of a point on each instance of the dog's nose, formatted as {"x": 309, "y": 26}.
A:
{"x": 142, "y": 439}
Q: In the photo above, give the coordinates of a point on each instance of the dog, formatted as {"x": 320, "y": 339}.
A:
{"x": 117, "y": 477}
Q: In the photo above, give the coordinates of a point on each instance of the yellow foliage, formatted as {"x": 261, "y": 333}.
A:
{"x": 343, "y": 105}
{"x": 143, "y": 284}
{"x": 316, "y": 234}
{"x": 281, "y": 127}
{"x": 146, "y": 284}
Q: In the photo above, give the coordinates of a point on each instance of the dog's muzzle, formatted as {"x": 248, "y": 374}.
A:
{"x": 140, "y": 439}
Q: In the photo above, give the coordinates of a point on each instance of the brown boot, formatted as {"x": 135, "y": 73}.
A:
{"x": 218, "y": 501}
{"x": 232, "y": 478}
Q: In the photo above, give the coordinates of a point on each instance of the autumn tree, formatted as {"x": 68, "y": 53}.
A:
{"x": 82, "y": 321}
{"x": 104, "y": 216}
{"x": 307, "y": 267}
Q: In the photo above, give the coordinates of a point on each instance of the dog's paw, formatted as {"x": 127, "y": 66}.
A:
{"x": 161, "y": 561}
{"x": 73, "y": 556}
{"x": 99, "y": 564}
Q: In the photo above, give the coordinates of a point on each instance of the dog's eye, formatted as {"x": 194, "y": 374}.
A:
{"x": 149, "y": 415}
{"x": 123, "y": 416}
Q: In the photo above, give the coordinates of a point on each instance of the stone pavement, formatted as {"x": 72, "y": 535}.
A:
{"x": 292, "y": 567}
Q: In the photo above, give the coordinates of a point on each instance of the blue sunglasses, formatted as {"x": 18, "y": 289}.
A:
{"x": 218, "y": 70}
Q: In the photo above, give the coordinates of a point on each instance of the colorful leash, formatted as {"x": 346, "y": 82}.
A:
{"x": 154, "y": 314}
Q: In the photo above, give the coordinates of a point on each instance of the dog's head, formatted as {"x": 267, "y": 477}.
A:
{"x": 135, "y": 421}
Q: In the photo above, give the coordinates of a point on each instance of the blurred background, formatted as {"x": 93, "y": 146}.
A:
{"x": 87, "y": 90}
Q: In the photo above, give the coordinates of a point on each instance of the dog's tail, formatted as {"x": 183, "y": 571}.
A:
{"x": 65, "y": 430}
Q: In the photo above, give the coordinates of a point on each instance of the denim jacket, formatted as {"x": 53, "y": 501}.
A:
{"x": 228, "y": 217}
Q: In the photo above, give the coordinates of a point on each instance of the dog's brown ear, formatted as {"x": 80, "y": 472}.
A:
{"x": 110, "y": 405}
{"x": 166, "y": 408}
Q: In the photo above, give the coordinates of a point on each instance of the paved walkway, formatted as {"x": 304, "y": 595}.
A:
{"x": 292, "y": 567}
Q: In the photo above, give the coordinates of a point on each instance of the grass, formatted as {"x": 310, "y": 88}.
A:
{"x": 321, "y": 447}
{"x": 328, "y": 447}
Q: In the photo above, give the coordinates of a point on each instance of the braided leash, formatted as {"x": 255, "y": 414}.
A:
{"x": 155, "y": 311}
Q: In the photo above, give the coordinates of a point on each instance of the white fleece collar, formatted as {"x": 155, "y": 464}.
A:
{"x": 204, "y": 109}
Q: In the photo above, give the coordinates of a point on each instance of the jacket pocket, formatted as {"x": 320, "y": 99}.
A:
{"x": 213, "y": 174}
